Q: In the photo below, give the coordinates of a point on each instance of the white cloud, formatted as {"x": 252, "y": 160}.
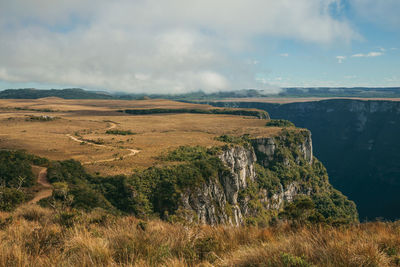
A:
{"x": 340, "y": 59}
{"x": 284, "y": 55}
{"x": 152, "y": 46}
{"x": 370, "y": 54}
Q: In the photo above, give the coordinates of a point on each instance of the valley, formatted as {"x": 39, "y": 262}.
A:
{"x": 357, "y": 140}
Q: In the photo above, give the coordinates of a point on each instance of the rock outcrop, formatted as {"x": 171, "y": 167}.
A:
{"x": 218, "y": 201}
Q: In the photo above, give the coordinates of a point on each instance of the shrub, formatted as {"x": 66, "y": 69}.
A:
{"x": 10, "y": 198}
{"x": 279, "y": 123}
{"x": 120, "y": 132}
{"x": 290, "y": 260}
{"x": 41, "y": 118}
{"x": 15, "y": 169}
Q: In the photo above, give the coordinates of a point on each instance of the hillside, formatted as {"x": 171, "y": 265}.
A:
{"x": 357, "y": 141}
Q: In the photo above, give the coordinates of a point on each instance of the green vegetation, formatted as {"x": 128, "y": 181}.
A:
{"x": 329, "y": 205}
{"x": 279, "y": 123}
{"x": 240, "y": 112}
{"x": 120, "y": 132}
{"x": 151, "y": 192}
{"x": 16, "y": 177}
{"x": 41, "y": 118}
{"x": 190, "y": 153}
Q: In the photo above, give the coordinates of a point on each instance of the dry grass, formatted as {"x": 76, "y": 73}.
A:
{"x": 59, "y": 104}
{"x": 91, "y": 118}
{"x": 37, "y": 237}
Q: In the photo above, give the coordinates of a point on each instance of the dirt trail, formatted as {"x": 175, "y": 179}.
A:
{"x": 132, "y": 152}
{"x": 47, "y": 189}
{"x": 113, "y": 125}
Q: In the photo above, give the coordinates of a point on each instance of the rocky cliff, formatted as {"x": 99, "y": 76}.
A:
{"x": 243, "y": 182}
{"x": 357, "y": 140}
{"x": 260, "y": 178}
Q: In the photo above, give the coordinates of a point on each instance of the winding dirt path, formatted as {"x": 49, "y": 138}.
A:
{"x": 113, "y": 125}
{"x": 132, "y": 152}
{"x": 47, "y": 188}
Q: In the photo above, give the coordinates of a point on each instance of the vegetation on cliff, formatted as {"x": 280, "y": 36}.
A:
{"x": 290, "y": 179}
{"x": 279, "y": 123}
{"x": 158, "y": 191}
{"x": 151, "y": 192}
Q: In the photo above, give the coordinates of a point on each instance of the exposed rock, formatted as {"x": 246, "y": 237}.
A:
{"x": 217, "y": 201}
{"x": 306, "y": 147}
{"x": 265, "y": 146}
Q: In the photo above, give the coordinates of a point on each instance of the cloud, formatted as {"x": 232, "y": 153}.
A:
{"x": 382, "y": 12}
{"x": 284, "y": 55}
{"x": 370, "y": 54}
{"x": 169, "y": 46}
{"x": 340, "y": 59}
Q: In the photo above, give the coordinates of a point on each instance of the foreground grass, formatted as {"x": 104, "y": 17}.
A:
{"x": 34, "y": 236}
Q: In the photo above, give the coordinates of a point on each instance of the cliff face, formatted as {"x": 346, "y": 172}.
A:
{"x": 358, "y": 143}
{"x": 244, "y": 191}
{"x": 217, "y": 201}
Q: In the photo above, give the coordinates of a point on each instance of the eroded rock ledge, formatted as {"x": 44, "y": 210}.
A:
{"x": 228, "y": 199}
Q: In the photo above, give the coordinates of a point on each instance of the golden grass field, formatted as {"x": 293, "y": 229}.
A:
{"x": 78, "y": 120}
{"x": 35, "y": 236}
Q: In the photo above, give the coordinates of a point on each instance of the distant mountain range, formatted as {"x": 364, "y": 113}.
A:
{"x": 77, "y": 93}
{"x": 70, "y": 93}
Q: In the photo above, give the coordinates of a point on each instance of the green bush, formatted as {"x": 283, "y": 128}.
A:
{"x": 41, "y": 118}
{"x": 120, "y": 132}
{"x": 279, "y": 123}
{"x": 10, "y": 198}
{"x": 15, "y": 169}
{"x": 290, "y": 260}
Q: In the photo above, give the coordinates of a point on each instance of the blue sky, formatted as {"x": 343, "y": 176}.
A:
{"x": 373, "y": 59}
{"x": 176, "y": 46}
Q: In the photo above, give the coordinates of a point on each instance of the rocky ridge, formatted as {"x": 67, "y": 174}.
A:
{"x": 221, "y": 200}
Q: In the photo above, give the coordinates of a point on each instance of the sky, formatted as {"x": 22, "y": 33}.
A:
{"x": 178, "y": 46}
